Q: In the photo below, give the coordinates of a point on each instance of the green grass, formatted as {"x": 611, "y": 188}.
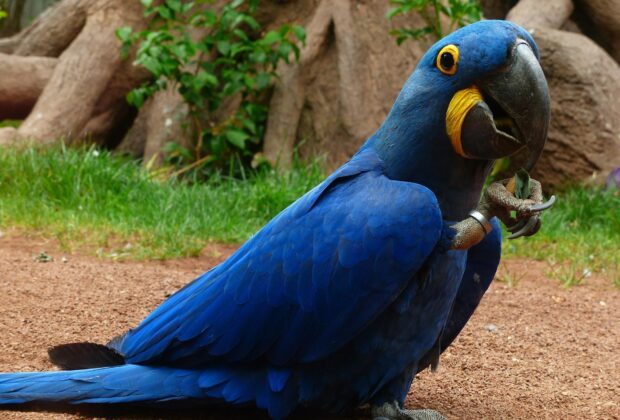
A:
{"x": 579, "y": 236}
{"x": 10, "y": 123}
{"x": 94, "y": 200}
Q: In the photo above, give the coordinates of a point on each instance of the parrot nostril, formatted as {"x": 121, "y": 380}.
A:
{"x": 512, "y": 50}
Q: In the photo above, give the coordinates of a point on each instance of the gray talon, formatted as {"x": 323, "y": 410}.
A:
{"x": 525, "y": 230}
{"x": 536, "y": 228}
{"x": 517, "y": 226}
{"x": 543, "y": 206}
{"x": 392, "y": 411}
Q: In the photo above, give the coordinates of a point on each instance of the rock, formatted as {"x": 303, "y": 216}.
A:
{"x": 492, "y": 328}
{"x": 604, "y": 17}
{"x": 584, "y": 83}
{"x": 538, "y": 14}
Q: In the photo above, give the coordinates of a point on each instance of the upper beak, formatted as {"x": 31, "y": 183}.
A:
{"x": 514, "y": 113}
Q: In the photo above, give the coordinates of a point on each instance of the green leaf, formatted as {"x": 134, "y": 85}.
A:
{"x": 394, "y": 11}
{"x": 300, "y": 32}
{"x": 123, "y": 33}
{"x": 262, "y": 80}
{"x": 271, "y": 38}
{"x": 402, "y": 35}
{"x": 187, "y": 7}
{"x": 251, "y": 22}
{"x": 249, "y": 124}
{"x": 458, "y": 12}
{"x": 223, "y": 46}
{"x": 165, "y": 12}
{"x": 522, "y": 187}
{"x": 236, "y": 3}
{"x": 237, "y": 137}
{"x": 285, "y": 50}
{"x": 205, "y": 79}
{"x": 175, "y": 5}
{"x": 136, "y": 98}
{"x": 259, "y": 56}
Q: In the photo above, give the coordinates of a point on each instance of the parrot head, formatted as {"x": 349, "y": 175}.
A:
{"x": 477, "y": 95}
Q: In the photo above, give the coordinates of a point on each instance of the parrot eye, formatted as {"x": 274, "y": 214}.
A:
{"x": 447, "y": 59}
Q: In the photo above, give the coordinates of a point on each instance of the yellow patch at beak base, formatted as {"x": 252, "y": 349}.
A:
{"x": 462, "y": 102}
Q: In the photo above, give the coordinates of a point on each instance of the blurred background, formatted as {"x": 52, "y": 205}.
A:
{"x": 114, "y": 113}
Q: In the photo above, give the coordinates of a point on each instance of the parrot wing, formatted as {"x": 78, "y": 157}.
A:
{"x": 305, "y": 284}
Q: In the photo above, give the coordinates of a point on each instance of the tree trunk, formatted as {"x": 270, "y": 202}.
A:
{"x": 342, "y": 88}
{"x": 164, "y": 118}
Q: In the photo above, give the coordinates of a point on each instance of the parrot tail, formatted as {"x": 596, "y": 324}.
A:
{"x": 267, "y": 388}
{"x": 124, "y": 384}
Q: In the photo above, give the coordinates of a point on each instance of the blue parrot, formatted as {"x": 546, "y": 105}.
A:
{"x": 359, "y": 284}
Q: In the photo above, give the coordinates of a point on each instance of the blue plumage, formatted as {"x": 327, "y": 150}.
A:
{"x": 342, "y": 297}
{"x": 308, "y": 311}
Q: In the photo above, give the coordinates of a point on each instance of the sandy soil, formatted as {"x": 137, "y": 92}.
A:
{"x": 536, "y": 350}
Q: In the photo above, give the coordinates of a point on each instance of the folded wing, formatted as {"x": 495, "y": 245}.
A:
{"x": 305, "y": 284}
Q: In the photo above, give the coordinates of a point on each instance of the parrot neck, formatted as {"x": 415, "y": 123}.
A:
{"x": 414, "y": 147}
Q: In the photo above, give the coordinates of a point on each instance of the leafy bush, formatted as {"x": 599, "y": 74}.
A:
{"x": 230, "y": 60}
{"x": 460, "y": 13}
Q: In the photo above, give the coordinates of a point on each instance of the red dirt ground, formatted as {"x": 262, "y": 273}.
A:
{"x": 536, "y": 350}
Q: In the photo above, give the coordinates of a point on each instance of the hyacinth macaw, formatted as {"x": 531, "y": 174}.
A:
{"x": 359, "y": 284}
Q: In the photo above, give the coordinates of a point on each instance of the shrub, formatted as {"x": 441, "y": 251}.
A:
{"x": 460, "y": 13}
{"x": 231, "y": 59}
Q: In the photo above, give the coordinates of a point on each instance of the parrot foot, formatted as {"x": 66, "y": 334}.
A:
{"x": 393, "y": 411}
{"x": 498, "y": 201}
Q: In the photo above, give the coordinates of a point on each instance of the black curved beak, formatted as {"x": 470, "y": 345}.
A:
{"x": 515, "y": 111}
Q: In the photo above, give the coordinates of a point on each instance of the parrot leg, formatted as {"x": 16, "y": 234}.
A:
{"x": 393, "y": 411}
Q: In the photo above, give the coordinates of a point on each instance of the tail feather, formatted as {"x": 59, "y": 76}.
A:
{"x": 121, "y": 384}
{"x": 76, "y": 356}
{"x": 151, "y": 385}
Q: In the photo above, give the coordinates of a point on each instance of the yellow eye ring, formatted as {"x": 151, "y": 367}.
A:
{"x": 448, "y": 59}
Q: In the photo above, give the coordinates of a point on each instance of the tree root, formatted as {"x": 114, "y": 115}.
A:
{"x": 289, "y": 91}
{"x": 22, "y": 81}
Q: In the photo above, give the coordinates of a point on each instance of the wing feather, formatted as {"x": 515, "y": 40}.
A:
{"x": 307, "y": 283}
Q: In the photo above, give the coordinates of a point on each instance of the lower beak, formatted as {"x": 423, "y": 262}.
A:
{"x": 514, "y": 113}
